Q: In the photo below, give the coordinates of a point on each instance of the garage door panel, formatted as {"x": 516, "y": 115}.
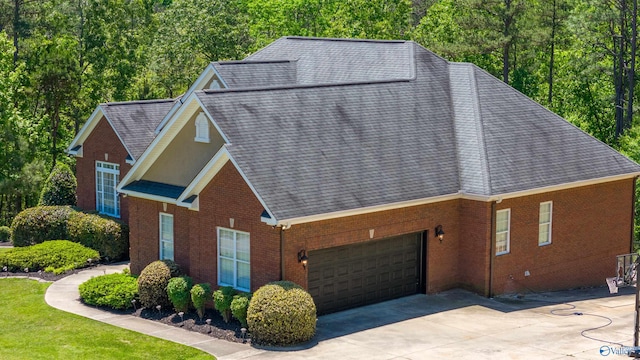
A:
{"x": 364, "y": 273}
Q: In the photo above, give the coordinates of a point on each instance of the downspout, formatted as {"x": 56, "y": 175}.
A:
{"x": 282, "y": 253}
{"x": 491, "y": 247}
{"x": 633, "y": 213}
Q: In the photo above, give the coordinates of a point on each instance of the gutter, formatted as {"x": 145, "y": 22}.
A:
{"x": 492, "y": 254}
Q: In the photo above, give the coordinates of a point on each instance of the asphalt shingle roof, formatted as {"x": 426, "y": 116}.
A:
{"x": 239, "y": 74}
{"x": 136, "y": 121}
{"x": 450, "y": 127}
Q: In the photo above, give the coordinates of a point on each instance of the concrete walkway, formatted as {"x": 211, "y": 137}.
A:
{"x": 455, "y": 324}
{"x": 63, "y": 294}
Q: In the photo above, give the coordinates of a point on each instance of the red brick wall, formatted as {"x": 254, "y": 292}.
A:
{"x": 102, "y": 140}
{"x": 475, "y": 242}
{"x": 442, "y": 270}
{"x": 591, "y": 225}
{"x": 195, "y": 232}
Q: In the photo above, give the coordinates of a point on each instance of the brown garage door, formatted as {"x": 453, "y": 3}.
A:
{"x": 354, "y": 275}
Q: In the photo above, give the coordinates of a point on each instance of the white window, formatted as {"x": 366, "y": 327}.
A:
{"x": 503, "y": 219}
{"x": 107, "y": 199}
{"x": 202, "y": 128}
{"x": 544, "y": 223}
{"x": 166, "y": 236}
{"x": 233, "y": 259}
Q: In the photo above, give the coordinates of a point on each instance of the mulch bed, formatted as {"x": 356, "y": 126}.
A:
{"x": 216, "y": 328}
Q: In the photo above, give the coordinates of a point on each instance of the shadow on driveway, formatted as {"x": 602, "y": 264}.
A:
{"x": 415, "y": 306}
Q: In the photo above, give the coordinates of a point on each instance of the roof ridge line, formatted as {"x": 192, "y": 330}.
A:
{"x": 304, "y": 86}
{"x": 136, "y": 102}
{"x": 313, "y": 38}
{"x": 251, "y": 62}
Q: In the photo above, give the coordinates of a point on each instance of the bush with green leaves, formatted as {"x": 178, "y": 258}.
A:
{"x": 109, "y": 236}
{"x": 153, "y": 281}
{"x": 200, "y": 294}
{"x": 222, "y": 299}
{"x": 281, "y": 313}
{"x": 116, "y": 291}
{"x": 239, "y": 306}
{"x": 37, "y": 224}
{"x": 179, "y": 292}
{"x": 59, "y": 188}
{"x": 5, "y": 233}
{"x": 56, "y": 256}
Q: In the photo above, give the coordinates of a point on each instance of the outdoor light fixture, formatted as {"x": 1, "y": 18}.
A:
{"x": 439, "y": 232}
{"x": 302, "y": 258}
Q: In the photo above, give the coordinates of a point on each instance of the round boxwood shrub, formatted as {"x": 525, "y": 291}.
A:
{"x": 281, "y": 313}
{"x": 56, "y": 256}
{"x": 116, "y": 291}
{"x": 222, "y": 299}
{"x": 60, "y": 187}
{"x": 239, "y": 306}
{"x": 178, "y": 290}
{"x": 5, "y": 233}
{"x": 37, "y": 224}
{"x": 200, "y": 294}
{"x": 109, "y": 236}
{"x": 153, "y": 281}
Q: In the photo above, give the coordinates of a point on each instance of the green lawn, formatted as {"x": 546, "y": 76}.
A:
{"x": 31, "y": 329}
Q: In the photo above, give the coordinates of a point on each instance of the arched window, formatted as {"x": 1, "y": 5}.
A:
{"x": 202, "y": 128}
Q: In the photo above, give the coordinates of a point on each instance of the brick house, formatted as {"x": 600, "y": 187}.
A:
{"x": 364, "y": 171}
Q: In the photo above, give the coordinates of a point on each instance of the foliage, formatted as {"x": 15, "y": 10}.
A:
{"x": 56, "y": 256}
{"x": 32, "y": 329}
{"x": 60, "y": 187}
{"x": 281, "y": 313}
{"x": 153, "y": 281}
{"x": 5, "y": 233}
{"x": 107, "y": 235}
{"x": 179, "y": 292}
{"x": 222, "y": 299}
{"x": 35, "y": 225}
{"x": 239, "y": 306}
{"x": 116, "y": 291}
{"x": 200, "y": 294}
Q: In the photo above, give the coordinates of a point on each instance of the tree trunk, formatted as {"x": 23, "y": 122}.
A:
{"x": 631, "y": 71}
{"x": 507, "y": 43}
{"x": 16, "y": 29}
{"x": 552, "y": 55}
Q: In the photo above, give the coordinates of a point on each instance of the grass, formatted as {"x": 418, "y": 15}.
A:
{"x": 31, "y": 329}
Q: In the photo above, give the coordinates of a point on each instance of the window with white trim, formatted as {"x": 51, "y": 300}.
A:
{"x": 107, "y": 178}
{"x": 202, "y": 128}
{"x": 166, "y": 236}
{"x": 503, "y": 220}
{"x": 544, "y": 223}
{"x": 234, "y": 268}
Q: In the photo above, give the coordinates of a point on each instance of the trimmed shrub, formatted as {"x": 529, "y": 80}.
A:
{"x": 5, "y": 233}
{"x": 179, "y": 292}
{"x": 116, "y": 291}
{"x": 200, "y": 293}
{"x": 239, "y": 306}
{"x": 153, "y": 281}
{"x": 56, "y": 256}
{"x": 281, "y": 313}
{"x": 110, "y": 237}
{"x": 222, "y": 299}
{"x": 37, "y": 224}
{"x": 60, "y": 187}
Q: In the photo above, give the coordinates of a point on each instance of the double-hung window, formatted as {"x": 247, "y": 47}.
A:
{"x": 544, "y": 223}
{"x": 503, "y": 220}
{"x": 166, "y": 236}
{"x": 107, "y": 199}
{"x": 233, "y": 259}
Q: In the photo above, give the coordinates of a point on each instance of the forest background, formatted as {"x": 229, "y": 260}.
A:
{"x": 60, "y": 58}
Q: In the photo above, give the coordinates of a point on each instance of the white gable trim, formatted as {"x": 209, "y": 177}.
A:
{"x": 207, "y": 74}
{"x": 88, "y": 128}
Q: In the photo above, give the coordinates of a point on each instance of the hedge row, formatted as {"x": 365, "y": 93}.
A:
{"x": 56, "y": 256}
{"x": 38, "y": 224}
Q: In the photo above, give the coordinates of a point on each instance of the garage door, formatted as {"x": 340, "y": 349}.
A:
{"x": 355, "y": 275}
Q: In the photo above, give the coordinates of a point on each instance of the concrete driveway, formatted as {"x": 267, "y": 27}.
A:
{"x": 457, "y": 324}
